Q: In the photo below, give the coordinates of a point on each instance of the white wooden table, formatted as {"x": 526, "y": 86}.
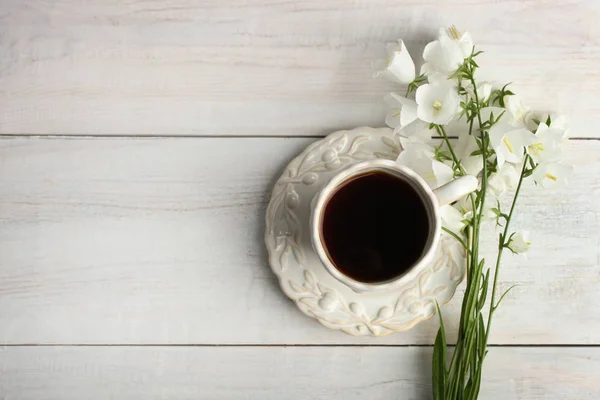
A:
{"x": 140, "y": 140}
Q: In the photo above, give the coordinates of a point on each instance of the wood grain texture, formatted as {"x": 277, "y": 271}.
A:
{"x": 301, "y": 373}
{"x": 129, "y": 241}
{"x": 269, "y": 67}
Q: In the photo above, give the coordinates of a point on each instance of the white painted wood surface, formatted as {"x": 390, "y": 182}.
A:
{"x": 128, "y": 242}
{"x": 269, "y": 67}
{"x": 232, "y": 373}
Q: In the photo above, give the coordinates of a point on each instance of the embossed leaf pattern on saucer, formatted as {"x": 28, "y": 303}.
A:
{"x": 328, "y": 155}
{"x": 304, "y": 279}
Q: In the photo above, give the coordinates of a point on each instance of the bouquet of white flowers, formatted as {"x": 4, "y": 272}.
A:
{"x": 502, "y": 143}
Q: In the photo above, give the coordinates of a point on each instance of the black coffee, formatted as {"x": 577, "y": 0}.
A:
{"x": 375, "y": 227}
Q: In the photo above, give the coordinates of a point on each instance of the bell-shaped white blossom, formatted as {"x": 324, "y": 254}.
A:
{"x": 506, "y": 178}
{"x": 465, "y": 206}
{"x": 418, "y": 146}
{"x": 442, "y": 56}
{"x": 437, "y": 103}
{"x": 546, "y": 145}
{"x": 556, "y": 121}
{"x": 520, "y": 115}
{"x": 519, "y": 243}
{"x": 398, "y": 66}
{"x": 417, "y": 158}
{"x": 509, "y": 142}
{"x": 464, "y": 40}
{"x": 452, "y": 219}
{"x": 417, "y": 132}
{"x": 484, "y": 90}
{"x": 552, "y": 174}
{"x": 445, "y": 55}
{"x": 402, "y": 111}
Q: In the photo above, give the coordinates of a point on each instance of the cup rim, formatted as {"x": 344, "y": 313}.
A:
{"x": 323, "y": 196}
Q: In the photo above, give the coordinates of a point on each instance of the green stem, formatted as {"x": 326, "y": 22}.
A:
{"x": 442, "y": 132}
{"x": 477, "y": 214}
{"x": 484, "y": 156}
{"x": 477, "y": 221}
{"x": 501, "y": 245}
{"x": 469, "y": 312}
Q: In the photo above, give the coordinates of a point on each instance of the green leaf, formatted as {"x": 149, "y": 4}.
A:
{"x": 507, "y": 242}
{"x": 494, "y": 121}
{"x": 473, "y": 385}
{"x": 502, "y": 297}
{"x": 455, "y": 236}
{"x": 471, "y": 297}
{"x": 469, "y": 388}
{"x": 531, "y": 162}
{"x": 439, "y": 361}
{"x": 456, "y": 73}
{"x": 472, "y": 389}
{"x": 481, "y": 334}
{"x": 420, "y": 78}
{"x": 484, "y": 291}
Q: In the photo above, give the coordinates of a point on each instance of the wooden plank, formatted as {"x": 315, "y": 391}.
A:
{"x": 268, "y": 67}
{"x": 128, "y": 241}
{"x": 264, "y": 373}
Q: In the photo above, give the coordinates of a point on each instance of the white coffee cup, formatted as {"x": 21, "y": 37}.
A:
{"x": 432, "y": 199}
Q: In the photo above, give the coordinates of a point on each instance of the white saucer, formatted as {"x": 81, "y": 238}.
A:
{"x": 305, "y": 280}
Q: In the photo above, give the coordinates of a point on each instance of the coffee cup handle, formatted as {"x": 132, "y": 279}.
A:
{"x": 454, "y": 190}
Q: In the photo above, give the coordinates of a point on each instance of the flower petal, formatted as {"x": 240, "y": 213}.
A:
{"x": 452, "y": 219}
{"x": 550, "y": 175}
{"x": 437, "y": 103}
{"x": 506, "y": 178}
{"x": 443, "y": 173}
{"x": 404, "y": 111}
{"x": 433, "y": 172}
{"x": 466, "y": 44}
{"x": 546, "y": 144}
{"x": 467, "y": 145}
{"x": 517, "y": 110}
{"x": 443, "y": 56}
{"x": 416, "y": 131}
